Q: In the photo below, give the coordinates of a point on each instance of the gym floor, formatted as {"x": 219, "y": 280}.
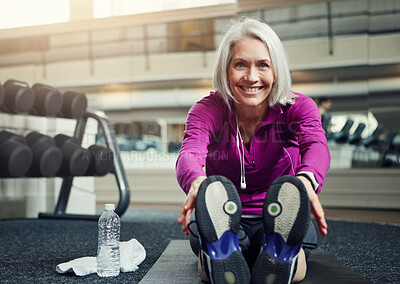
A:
{"x": 33, "y": 247}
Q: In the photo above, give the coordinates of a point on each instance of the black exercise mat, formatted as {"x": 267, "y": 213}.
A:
{"x": 178, "y": 265}
{"x": 30, "y": 249}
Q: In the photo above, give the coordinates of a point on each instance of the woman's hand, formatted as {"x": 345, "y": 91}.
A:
{"x": 189, "y": 204}
{"x": 316, "y": 207}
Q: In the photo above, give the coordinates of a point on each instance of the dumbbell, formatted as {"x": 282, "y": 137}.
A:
{"x": 47, "y": 156}
{"x": 15, "y": 156}
{"x": 101, "y": 161}
{"x": 48, "y": 100}
{"x": 18, "y": 97}
{"x": 1, "y": 95}
{"x": 75, "y": 159}
{"x": 74, "y": 105}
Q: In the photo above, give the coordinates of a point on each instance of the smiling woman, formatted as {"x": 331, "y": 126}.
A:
{"x": 268, "y": 134}
{"x": 22, "y": 13}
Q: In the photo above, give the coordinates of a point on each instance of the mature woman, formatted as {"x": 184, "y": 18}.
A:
{"x": 265, "y": 158}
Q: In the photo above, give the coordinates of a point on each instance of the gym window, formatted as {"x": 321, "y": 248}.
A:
{"x": 23, "y": 13}
{"x": 110, "y": 8}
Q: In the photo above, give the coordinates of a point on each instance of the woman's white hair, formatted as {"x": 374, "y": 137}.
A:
{"x": 247, "y": 27}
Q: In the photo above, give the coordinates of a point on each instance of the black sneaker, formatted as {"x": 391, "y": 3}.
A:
{"x": 218, "y": 212}
{"x": 286, "y": 213}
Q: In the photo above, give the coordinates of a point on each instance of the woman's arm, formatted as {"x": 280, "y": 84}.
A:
{"x": 189, "y": 204}
{"x": 193, "y": 153}
{"x": 305, "y": 122}
{"x": 191, "y": 160}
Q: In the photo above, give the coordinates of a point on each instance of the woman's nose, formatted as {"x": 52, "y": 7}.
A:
{"x": 251, "y": 75}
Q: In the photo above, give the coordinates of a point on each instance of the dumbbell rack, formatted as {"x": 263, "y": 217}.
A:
{"x": 119, "y": 172}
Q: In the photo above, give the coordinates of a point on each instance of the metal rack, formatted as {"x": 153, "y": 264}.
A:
{"x": 118, "y": 171}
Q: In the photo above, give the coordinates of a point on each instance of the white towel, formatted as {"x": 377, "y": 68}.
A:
{"x": 132, "y": 253}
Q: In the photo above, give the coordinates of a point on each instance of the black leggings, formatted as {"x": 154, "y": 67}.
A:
{"x": 251, "y": 238}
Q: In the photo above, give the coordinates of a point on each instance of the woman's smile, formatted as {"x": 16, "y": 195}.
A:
{"x": 250, "y": 73}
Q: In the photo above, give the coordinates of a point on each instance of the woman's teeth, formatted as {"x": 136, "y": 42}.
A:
{"x": 252, "y": 90}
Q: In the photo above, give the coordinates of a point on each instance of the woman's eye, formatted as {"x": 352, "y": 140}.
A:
{"x": 239, "y": 64}
{"x": 264, "y": 65}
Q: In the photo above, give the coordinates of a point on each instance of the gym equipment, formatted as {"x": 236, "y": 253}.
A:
{"x": 355, "y": 138}
{"x": 118, "y": 171}
{"x": 391, "y": 159}
{"x": 75, "y": 159}
{"x": 342, "y": 135}
{"x": 101, "y": 161}
{"x": 390, "y": 136}
{"x": 74, "y": 105}
{"x": 19, "y": 98}
{"x": 373, "y": 139}
{"x": 47, "y": 157}
{"x": 48, "y": 101}
{"x": 15, "y": 156}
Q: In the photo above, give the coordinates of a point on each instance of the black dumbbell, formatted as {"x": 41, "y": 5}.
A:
{"x": 47, "y": 156}
{"x": 48, "y": 101}
{"x": 1, "y": 95}
{"x": 75, "y": 159}
{"x": 74, "y": 105}
{"x": 15, "y": 156}
{"x": 18, "y": 97}
{"x": 101, "y": 161}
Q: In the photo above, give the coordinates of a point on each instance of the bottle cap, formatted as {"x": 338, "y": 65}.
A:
{"x": 110, "y": 207}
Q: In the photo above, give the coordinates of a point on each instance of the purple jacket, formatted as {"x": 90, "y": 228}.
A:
{"x": 289, "y": 140}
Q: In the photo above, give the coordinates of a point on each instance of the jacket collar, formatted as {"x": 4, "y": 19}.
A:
{"x": 272, "y": 116}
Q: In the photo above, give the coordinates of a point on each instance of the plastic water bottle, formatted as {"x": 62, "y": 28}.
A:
{"x": 108, "y": 243}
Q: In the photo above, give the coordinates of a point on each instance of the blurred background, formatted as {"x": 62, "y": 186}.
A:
{"x": 143, "y": 64}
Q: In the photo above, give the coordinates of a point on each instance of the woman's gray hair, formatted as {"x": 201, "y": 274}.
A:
{"x": 247, "y": 27}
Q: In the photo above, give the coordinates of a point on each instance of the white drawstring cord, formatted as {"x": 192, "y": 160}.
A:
{"x": 241, "y": 156}
{"x": 290, "y": 158}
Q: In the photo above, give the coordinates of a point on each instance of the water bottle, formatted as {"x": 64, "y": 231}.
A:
{"x": 108, "y": 243}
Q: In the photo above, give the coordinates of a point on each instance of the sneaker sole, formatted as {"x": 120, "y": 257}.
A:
{"x": 286, "y": 212}
{"x": 218, "y": 210}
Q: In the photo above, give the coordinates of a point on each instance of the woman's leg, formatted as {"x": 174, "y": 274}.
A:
{"x": 301, "y": 268}
{"x": 254, "y": 230}
{"x": 308, "y": 246}
{"x": 310, "y": 240}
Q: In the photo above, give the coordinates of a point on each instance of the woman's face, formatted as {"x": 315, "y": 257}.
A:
{"x": 250, "y": 72}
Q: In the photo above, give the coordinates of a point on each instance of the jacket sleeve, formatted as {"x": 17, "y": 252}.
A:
{"x": 193, "y": 153}
{"x": 304, "y": 121}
